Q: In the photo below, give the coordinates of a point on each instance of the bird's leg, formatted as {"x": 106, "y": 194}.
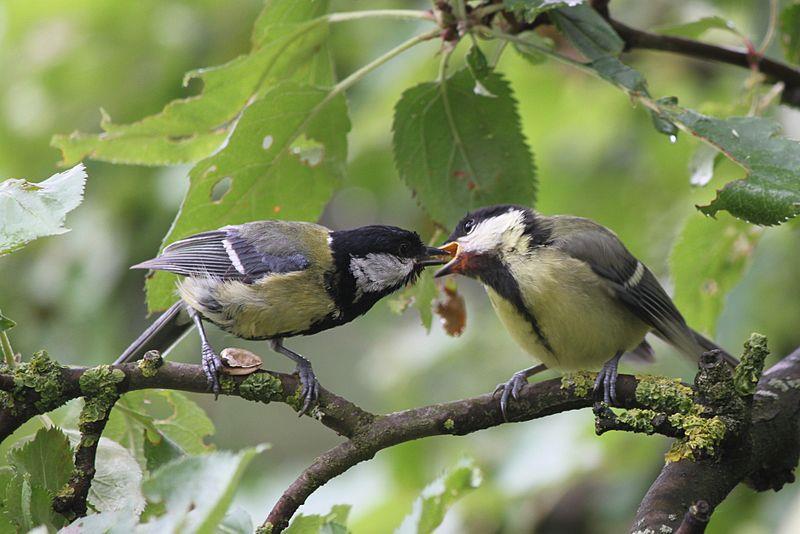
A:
{"x": 607, "y": 379}
{"x": 308, "y": 381}
{"x": 512, "y": 387}
{"x": 210, "y": 360}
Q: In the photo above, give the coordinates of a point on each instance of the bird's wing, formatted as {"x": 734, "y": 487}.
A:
{"x": 633, "y": 283}
{"x": 227, "y": 255}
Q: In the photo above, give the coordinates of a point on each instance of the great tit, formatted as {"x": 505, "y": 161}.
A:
{"x": 269, "y": 280}
{"x": 568, "y": 291}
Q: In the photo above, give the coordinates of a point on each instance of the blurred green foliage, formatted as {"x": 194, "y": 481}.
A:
{"x": 65, "y": 60}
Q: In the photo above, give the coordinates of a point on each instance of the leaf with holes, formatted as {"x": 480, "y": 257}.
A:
{"x": 528, "y": 9}
{"x": 458, "y": 150}
{"x": 288, "y": 43}
{"x": 284, "y": 160}
{"x": 771, "y": 192}
{"x": 790, "y": 32}
{"x": 32, "y": 210}
{"x": 726, "y": 247}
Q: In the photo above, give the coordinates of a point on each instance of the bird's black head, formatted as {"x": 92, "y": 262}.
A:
{"x": 373, "y": 261}
{"x": 484, "y": 236}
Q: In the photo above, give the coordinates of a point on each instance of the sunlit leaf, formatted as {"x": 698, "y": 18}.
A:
{"x": 196, "y": 491}
{"x": 41, "y": 467}
{"x": 790, "y": 32}
{"x": 272, "y": 174}
{"x": 436, "y": 499}
{"x": 528, "y": 9}
{"x": 587, "y": 31}
{"x": 708, "y": 260}
{"x": 32, "y": 210}
{"x": 153, "y": 440}
{"x": 333, "y": 522}
{"x": 696, "y": 28}
{"x": 116, "y": 522}
{"x": 770, "y": 194}
{"x": 458, "y": 150}
{"x": 286, "y": 43}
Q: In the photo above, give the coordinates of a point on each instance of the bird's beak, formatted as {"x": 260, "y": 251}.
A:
{"x": 432, "y": 256}
{"x": 455, "y": 265}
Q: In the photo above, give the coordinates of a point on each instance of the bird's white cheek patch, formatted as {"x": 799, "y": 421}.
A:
{"x": 376, "y": 272}
{"x": 502, "y": 231}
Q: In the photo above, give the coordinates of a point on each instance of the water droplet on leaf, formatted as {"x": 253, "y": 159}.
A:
{"x": 267, "y": 142}
{"x": 673, "y": 138}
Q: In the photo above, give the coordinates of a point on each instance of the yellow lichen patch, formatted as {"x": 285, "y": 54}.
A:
{"x": 702, "y": 435}
{"x": 639, "y": 420}
{"x": 664, "y": 394}
{"x": 582, "y": 382}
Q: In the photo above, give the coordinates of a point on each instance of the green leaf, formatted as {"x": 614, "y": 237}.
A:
{"x": 790, "y": 32}
{"x": 41, "y": 467}
{"x": 694, "y": 29}
{"x": 28, "y": 505}
{"x": 236, "y": 521}
{"x": 436, "y": 499}
{"x": 588, "y": 31}
{"x": 478, "y": 65}
{"x": 47, "y": 458}
{"x": 6, "y": 323}
{"x": 117, "y": 483}
{"x": 271, "y": 173}
{"x": 32, "y": 210}
{"x": 286, "y": 45}
{"x": 458, "y": 150}
{"x": 528, "y": 9}
{"x": 155, "y": 441}
{"x": 196, "y": 491}
{"x": 187, "y": 426}
{"x": 771, "y": 192}
{"x": 530, "y": 53}
{"x": 333, "y": 522}
{"x": 708, "y": 260}
{"x": 116, "y": 522}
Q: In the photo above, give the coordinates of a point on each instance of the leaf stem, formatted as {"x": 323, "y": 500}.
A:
{"x": 357, "y": 75}
{"x": 409, "y": 14}
{"x": 8, "y": 352}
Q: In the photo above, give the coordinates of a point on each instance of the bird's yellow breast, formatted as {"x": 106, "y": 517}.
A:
{"x": 575, "y": 309}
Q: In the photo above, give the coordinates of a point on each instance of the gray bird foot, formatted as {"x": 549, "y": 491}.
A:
{"x": 211, "y": 367}
{"x": 607, "y": 379}
{"x": 510, "y": 389}
{"x": 309, "y": 384}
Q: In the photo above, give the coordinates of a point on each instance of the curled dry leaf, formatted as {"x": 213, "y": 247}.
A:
{"x": 452, "y": 310}
{"x": 239, "y": 361}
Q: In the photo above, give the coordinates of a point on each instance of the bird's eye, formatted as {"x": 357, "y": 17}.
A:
{"x": 403, "y": 249}
{"x": 469, "y": 225}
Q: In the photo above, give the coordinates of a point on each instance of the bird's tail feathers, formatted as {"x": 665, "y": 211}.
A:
{"x": 161, "y": 335}
{"x": 707, "y": 345}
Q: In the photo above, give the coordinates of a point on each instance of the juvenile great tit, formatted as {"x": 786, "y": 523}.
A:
{"x": 568, "y": 291}
{"x": 269, "y": 280}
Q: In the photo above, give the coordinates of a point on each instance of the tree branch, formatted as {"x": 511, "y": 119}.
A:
{"x": 764, "y": 457}
{"x": 774, "y": 70}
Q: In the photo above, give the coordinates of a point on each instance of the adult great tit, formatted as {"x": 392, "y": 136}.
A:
{"x": 568, "y": 291}
{"x": 269, "y": 280}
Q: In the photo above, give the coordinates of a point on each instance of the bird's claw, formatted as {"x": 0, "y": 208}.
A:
{"x": 607, "y": 380}
{"x": 510, "y": 389}
{"x": 309, "y": 391}
{"x": 212, "y": 364}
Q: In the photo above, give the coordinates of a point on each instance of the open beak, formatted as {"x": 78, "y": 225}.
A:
{"x": 455, "y": 265}
{"x": 433, "y": 256}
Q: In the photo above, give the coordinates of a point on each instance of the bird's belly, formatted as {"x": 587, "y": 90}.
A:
{"x": 582, "y": 323}
{"x": 279, "y": 305}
